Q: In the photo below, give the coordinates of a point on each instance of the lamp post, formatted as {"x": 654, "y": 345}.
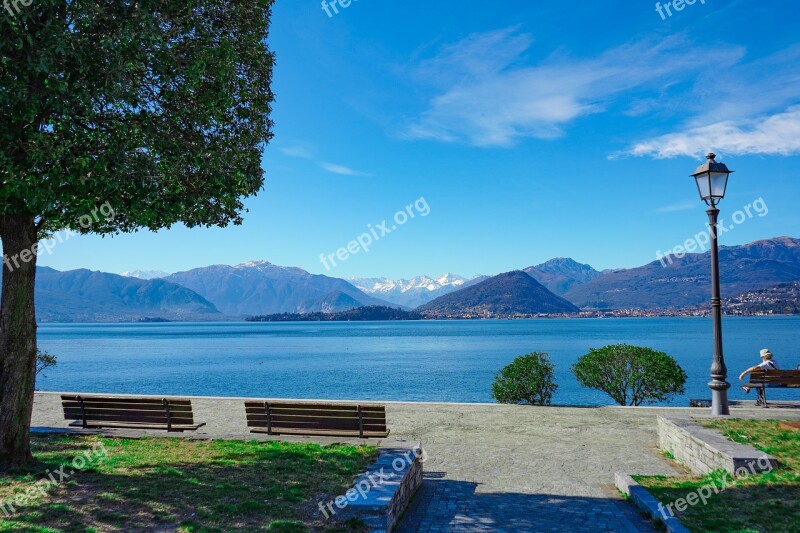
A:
{"x": 712, "y": 180}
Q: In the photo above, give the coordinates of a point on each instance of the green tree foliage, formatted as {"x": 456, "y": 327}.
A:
{"x": 631, "y": 375}
{"x": 44, "y": 360}
{"x": 528, "y": 379}
{"x": 158, "y": 109}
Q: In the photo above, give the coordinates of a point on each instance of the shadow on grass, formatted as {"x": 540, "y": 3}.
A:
{"x": 771, "y": 507}
{"x": 175, "y": 484}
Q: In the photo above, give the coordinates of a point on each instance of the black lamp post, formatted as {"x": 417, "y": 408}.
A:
{"x": 712, "y": 180}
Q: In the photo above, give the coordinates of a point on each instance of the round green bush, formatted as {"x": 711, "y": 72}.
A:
{"x": 528, "y": 379}
{"x": 631, "y": 375}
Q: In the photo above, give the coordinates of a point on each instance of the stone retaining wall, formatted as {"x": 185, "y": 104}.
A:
{"x": 703, "y": 450}
{"x": 380, "y": 495}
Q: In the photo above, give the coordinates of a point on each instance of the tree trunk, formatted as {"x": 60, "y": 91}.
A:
{"x": 17, "y": 339}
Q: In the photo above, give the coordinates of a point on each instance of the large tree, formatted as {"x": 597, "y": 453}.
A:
{"x": 158, "y": 110}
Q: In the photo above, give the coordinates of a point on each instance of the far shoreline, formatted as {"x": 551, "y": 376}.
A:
{"x": 234, "y": 320}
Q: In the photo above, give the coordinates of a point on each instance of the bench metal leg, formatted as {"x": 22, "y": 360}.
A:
{"x": 269, "y": 418}
{"x": 360, "y": 422}
{"x": 168, "y": 410}
{"x": 83, "y": 413}
{"x": 762, "y": 397}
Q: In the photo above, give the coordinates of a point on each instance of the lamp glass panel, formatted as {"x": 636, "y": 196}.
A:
{"x": 703, "y": 185}
{"x": 719, "y": 181}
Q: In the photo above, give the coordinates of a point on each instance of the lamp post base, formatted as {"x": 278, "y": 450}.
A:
{"x": 719, "y": 400}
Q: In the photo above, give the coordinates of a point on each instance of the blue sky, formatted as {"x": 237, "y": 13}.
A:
{"x": 531, "y": 129}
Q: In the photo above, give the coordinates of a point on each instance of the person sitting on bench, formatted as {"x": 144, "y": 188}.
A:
{"x": 767, "y": 363}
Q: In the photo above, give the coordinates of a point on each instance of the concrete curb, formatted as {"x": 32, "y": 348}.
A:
{"x": 647, "y": 502}
{"x": 705, "y": 450}
{"x": 381, "y": 494}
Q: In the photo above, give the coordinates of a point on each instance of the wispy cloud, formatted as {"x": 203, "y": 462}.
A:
{"x": 489, "y": 96}
{"x": 304, "y": 151}
{"x": 678, "y": 206}
{"x": 777, "y": 134}
{"x": 341, "y": 169}
{"x": 297, "y": 151}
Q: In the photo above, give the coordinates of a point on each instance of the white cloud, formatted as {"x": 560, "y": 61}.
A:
{"x": 777, "y": 134}
{"x": 488, "y": 96}
{"x": 297, "y": 151}
{"x": 341, "y": 169}
{"x": 679, "y": 206}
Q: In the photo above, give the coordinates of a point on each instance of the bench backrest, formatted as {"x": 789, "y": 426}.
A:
{"x": 275, "y": 416}
{"x": 786, "y": 378}
{"x": 133, "y": 410}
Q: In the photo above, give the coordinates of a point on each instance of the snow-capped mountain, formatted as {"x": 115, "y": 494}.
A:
{"x": 261, "y": 288}
{"x": 415, "y": 291}
{"x": 145, "y": 274}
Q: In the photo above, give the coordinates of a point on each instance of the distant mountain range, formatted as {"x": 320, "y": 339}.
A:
{"x": 86, "y": 296}
{"x": 561, "y": 274}
{"x": 509, "y": 294}
{"x": 261, "y": 288}
{"x": 146, "y": 274}
{"x": 685, "y": 282}
{"x": 416, "y": 291}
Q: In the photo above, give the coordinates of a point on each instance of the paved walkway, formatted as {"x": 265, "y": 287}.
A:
{"x": 519, "y": 468}
{"x": 498, "y": 467}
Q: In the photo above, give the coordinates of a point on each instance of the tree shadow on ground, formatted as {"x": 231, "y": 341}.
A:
{"x": 448, "y": 505}
{"x": 146, "y": 485}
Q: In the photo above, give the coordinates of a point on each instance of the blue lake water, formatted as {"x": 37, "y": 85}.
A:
{"x": 451, "y": 361}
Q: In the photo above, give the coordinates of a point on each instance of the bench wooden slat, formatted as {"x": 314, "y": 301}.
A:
{"x": 300, "y": 418}
{"x": 313, "y": 409}
{"x": 122, "y": 412}
{"x": 131, "y": 418}
{"x": 762, "y": 380}
{"x": 335, "y": 415}
{"x": 133, "y": 425}
{"x": 315, "y": 405}
{"x": 325, "y": 433}
{"x": 147, "y": 413}
{"x": 127, "y": 407}
{"x": 320, "y": 423}
{"x": 132, "y": 401}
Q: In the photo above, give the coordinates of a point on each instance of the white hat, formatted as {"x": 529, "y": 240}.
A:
{"x": 766, "y": 354}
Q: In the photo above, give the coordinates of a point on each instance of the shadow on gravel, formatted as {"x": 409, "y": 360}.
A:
{"x": 448, "y": 505}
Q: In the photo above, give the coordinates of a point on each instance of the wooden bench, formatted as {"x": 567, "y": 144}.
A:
{"x": 762, "y": 380}
{"x": 296, "y": 418}
{"x": 137, "y": 413}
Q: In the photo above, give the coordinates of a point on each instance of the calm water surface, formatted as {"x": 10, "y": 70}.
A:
{"x": 415, "y": 361}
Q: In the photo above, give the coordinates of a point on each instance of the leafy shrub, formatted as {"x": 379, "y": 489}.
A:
{"x": 44, "y": 360}
{"x": 631, "y": 375}
{"x": 528, "y": 379}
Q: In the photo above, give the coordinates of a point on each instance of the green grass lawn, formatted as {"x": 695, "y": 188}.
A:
{"x": 183, "y": 485}
{"x": 767, "y": 502}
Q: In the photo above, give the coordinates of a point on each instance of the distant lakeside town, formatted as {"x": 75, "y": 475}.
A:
{"x": 783, "y": 300}
{"x": 758, "y": 279}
